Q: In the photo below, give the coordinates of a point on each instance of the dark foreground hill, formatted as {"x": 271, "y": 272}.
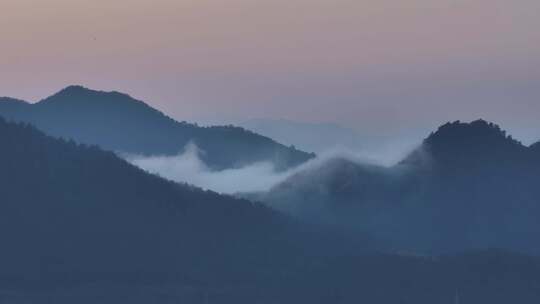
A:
{"x": 72, "y": 214}
{"x": 469, "y": 186}
{"x": 117, "y": 122}
{"x": 79, "y": 225}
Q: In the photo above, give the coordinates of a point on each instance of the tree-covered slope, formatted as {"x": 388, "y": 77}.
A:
{"x": 117, "y": 122}
{"x": 469, "y": 186}
{"x": 68, "y": 207}
{"x": 80, "y": 225}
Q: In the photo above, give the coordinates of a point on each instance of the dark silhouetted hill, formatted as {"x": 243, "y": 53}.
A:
{"x": 86, "y": 209}
{"x": 469, "y": 186}
{"x": 117, "y": 122}
{"x": 71, "y": 213}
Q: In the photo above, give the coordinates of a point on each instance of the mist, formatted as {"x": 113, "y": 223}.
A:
{"x": 187, "y": 167}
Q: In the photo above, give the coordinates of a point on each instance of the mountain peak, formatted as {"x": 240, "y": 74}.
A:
{"x": 76, "y": 87}
{"x": 119, "y": 122}
{"x": 74, "y": 90}
{"x": 472, "y": 142}
{"x": 478, "y": 132}
{"x": 80, "y": 93}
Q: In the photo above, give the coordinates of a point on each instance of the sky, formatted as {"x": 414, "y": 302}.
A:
{"x": 378, "y": 66}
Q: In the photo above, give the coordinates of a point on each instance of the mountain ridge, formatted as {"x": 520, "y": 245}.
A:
{"x": 90, "y": 210}
{"x": 473, "y": 172}
{"x": 79, "y": 224}
{"x": 118, "y": 122}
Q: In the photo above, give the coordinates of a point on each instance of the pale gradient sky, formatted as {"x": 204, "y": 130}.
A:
{"x": 380, "y": 66}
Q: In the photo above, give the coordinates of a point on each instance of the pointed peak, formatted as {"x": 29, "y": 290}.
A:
{"x": 79, "y": 93}
{"x": 75, "y": 91}
{"x": 70, "y": 91}
{"x": 78, "y": 90}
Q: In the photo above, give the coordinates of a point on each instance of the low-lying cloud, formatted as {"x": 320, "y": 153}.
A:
{"x": 188, "y": 167}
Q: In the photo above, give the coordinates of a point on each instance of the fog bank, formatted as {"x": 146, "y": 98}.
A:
{"x": 188, "y": 167}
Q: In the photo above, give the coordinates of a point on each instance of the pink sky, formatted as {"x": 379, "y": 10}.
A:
{"x": 375, "y": 65}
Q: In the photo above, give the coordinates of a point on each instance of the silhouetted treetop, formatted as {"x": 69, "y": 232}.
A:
{"x": 476, "y": 133}
{"x": 475, "y": 142}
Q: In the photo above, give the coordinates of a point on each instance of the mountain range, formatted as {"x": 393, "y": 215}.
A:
{"x": 452, "y": 220}
{"x": 120, "y": 123}
{"x": 75, "y": 214}
{"x": 468, "y": 186}
{"x": 79, "y": 224}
